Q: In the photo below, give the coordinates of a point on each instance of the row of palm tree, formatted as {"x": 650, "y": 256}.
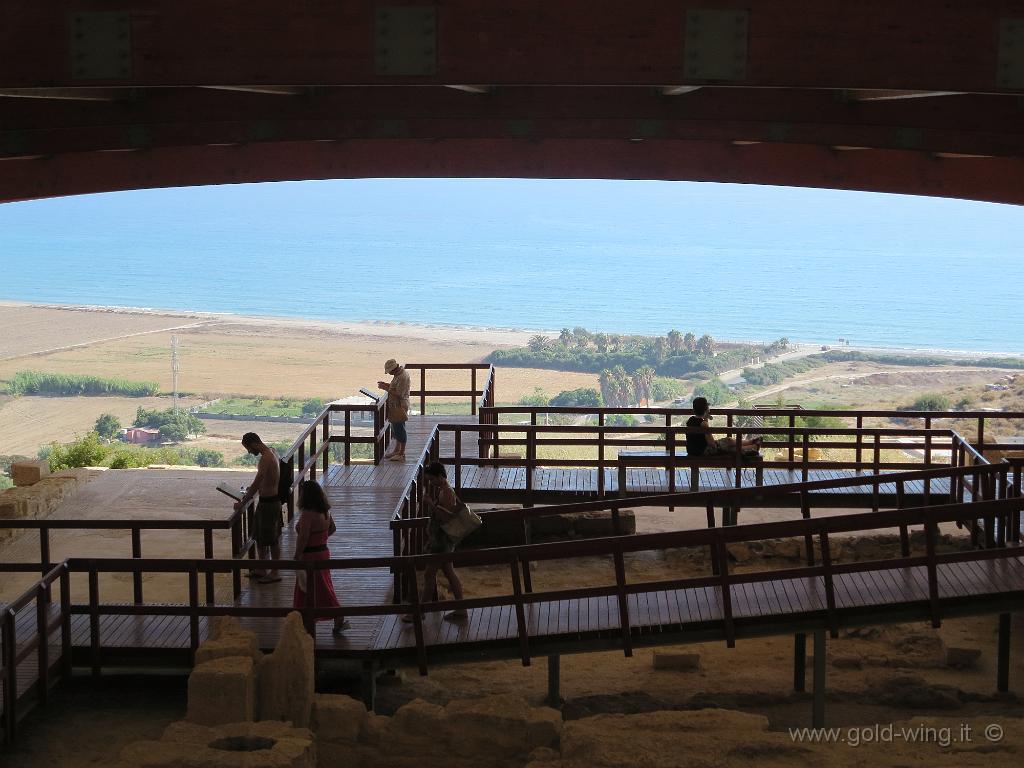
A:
{"x": 620, "y": 389}
{"x": 660, "y": 347}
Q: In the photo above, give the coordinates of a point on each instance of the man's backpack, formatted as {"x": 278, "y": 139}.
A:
{"x": 285, "y": 479}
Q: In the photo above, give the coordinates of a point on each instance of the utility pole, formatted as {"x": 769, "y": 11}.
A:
{"x": 175, "y": 370}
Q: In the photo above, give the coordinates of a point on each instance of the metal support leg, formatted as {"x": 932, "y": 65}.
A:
{"x": 554, "y": 697}
{"x": 818, "y": 720}
{"x": 1003, "y": 665}
{"x": 799, "y": 662}
{"x": 369, "y": 684}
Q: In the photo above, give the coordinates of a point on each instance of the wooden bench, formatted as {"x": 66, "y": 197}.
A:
{"x": 670, "y": 461}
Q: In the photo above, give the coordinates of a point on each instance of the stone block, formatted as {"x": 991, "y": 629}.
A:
{"x": 418, "y": 718}
{"x": 676, "y": 661}
{"x": 241, "y": 644}
{"x": 253, "y": 745}
{"x": 503, "y": 724}
{"x": 222, "y": 691}
{"x": 29, "y": 472}
{"x": 591, "y": 524}
{"x": 8, "y": 507}
{"x": 338, "y": 718}
{"x": 962, "y": 658}
{"x": 551, "y": 525}
{"x": 286, "y": 676}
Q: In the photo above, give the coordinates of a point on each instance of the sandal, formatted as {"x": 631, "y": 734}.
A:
{"x": 457, "y": 615}
{"x": 268, "y": 579}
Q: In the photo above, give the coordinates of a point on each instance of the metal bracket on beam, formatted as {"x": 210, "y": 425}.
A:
{"x": 405, "y": 41}
{"x": 101, "y": 45}
{"x": 1010, "y": 72}
{"x": 716, "y": 45}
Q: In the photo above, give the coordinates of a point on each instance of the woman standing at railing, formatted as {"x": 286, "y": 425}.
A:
{"x": 443, "y": 505}
{"x": 314, "y": 527}
{"x": 397, "y": 407}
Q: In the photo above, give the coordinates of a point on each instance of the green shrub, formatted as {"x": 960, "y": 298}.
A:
{"x": 929, "y": 402}
{"x": 537, "y": 400}
{"x": 108, "y": 426}
{"x": 174, "y": 425}
{"x": 205, "y": 457}
{"x": 313, "y": 406}
{"x": 39, "y": 383}
{"x": 88, "y": 451}
{"x": 585, "y": 397}
{"x": 715, "y": 391}
{"x": 664, "y": 388}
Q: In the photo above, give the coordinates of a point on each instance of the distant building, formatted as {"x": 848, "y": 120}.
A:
{"x": 141, "y": 435}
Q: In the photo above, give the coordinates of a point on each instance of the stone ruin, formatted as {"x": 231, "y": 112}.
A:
{"x": 246, "y": 708}
{"x": 36, "y": 493}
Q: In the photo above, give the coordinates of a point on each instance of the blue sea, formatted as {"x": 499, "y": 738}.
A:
{"x": 736, "y": 261}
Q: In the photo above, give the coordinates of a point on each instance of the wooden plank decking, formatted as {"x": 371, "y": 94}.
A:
{"x": 365, "y": 497}
{"x": 760, "y": 606}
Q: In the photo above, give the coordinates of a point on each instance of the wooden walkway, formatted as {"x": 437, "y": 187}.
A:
{"x": 779, "y": 606}
{"x": 508, "y": 484}
{"x": 365, "y": 498}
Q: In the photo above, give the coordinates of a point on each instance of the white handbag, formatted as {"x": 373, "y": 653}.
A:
{"x": 463, "y": 523}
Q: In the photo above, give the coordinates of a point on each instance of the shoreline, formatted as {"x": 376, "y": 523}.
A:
{"x": 464, "y": 332}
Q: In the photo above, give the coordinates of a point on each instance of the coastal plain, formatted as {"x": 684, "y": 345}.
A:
{"x": 876, "y": 675}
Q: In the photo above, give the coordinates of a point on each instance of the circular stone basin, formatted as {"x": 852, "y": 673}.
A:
{"x": 243, "y": 743}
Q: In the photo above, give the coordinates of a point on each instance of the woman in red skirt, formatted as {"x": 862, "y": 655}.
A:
{"x": 314, "y": 527}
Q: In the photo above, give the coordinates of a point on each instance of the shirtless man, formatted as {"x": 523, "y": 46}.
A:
{"x": 268, "y": 519}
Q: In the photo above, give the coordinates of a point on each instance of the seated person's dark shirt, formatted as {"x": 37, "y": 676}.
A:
{"x": 696, "y": 443}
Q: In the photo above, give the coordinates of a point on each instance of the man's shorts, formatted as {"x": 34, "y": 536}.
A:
{"x": 267, "y": 522}
{"x": 719, "y": 447}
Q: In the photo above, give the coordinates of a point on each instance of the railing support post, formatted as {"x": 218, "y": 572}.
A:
{"x": 1003, "y": 654}
{"x": 44, "y": 555}
{"x": 43, "y": 649}
{"x": 368, "y": 685}
{"x": 554, "y": 697}
{"x": 137, "y": 555}
{"x": 799, "y": 662}
{"x": 10, "y": 676}
{"x": 208, "y": 554}
{"x": 818, "y": 715}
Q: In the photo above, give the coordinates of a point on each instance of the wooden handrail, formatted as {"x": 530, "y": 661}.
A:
{"x": 534, "y": 436}
{"x": 700, "y": 537}
{"x": 929, "y": 517}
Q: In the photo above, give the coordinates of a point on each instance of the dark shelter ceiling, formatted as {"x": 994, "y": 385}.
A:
{"x": 908, "y": 96}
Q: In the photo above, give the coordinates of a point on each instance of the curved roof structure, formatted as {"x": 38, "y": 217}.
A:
{"x": 909, "y": 96}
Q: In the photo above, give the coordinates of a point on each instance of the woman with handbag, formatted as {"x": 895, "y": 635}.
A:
{"x": 314, "y": 527}
{"x": 445, "y": 510}
{"x": 397, "y": 407}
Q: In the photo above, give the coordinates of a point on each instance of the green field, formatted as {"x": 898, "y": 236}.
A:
{"x": 256, "y": 406}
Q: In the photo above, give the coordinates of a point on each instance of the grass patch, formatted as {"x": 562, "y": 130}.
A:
{"x": 256, "y": 406}
{"x": 39, "y": 383}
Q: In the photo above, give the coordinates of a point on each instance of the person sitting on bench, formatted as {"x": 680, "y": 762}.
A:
{"x": 703, "y": 443}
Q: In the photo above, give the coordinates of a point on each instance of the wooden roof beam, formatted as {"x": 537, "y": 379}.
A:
{"x": 678, "y": 90}
{"x": 471, "y": 88}
{"x": 270, "y": 90}
{"x": 882, "y": 95}
{"x": 67, "y": 94}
